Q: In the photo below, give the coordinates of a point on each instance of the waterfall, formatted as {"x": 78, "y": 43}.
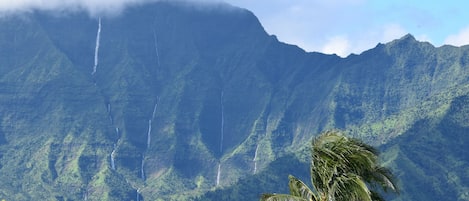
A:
{"x": 149, "y": 134}
{"x": 156, "y": 47}
{"x": 142, "y": 172}
{"x": 138, "y": 194}
{"x": 218, "y": 174}
{"x": 85, "y": 194}
{"x": 113, "y": 154}
{"x": 149, "y": 123}
{"x": 221, "y": 136}
{"x": 255, "y": 159}
{"x": 117, "y": 132}
{"x": 109, "y": 113}
{"x": 222, "y": 122}
{"x": 113, "y": 165}
{"x": 96, "y": 50}
{"x": 154, "y": 109}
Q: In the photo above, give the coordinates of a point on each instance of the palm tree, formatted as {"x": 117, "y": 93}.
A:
{"x": 342, "y": 169}
{"x": 299, "y": 191}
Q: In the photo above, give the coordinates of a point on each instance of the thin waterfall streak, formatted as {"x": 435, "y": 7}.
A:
{"x": 142, "y": 172}
{"x": 113, "y": 166}
{"x": 117, "y": 132}
{"x": 255, "y": 167}
{"x": 96, "y": 50}
{"x": 255, "y": 153}
{"x": 222, "y": 123}
{"x": 113, "y": 154}
{"x": 109, "y": 113}
{"x": 218, "y": 174}
{"x": 156, "y": 47}
{"x": 255, "y": 159}
{"x": 149, "y": 134}
{"x": 138, "y": 194}
{"x": 154, "y": 110}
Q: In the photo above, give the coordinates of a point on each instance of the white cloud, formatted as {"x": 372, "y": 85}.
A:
{"x": 459, "y": 39}
{"x": 329, "y": 26}
{"x": 392, "y": 31}
{"x": 357, "y": 42}
{"x": 309, "y": 24}
{"x": 92, "y": 6}
{"x": 370, "y": 37}
{"x": 339, "y": 45}
{"x": 424, "y": 38}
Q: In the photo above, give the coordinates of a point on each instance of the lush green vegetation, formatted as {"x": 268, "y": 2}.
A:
{"x": 59, "y": 125}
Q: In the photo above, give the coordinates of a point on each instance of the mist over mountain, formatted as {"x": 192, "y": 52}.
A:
{"x": 172, "y": 102}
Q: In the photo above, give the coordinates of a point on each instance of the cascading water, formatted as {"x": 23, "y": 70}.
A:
{"x": 154, "y": 108}
{"x": 149, "y": 134}
{"x": 109, "y": 112}
{"x": 149, "y": 124}
{"x": 113, "y": 154}
{"x": 138, "y": 194}
{"x": 142, "y": 172}
{"x": 222, "y": 129}
{"x": 255, "y": 159}
{"x": 96, "y": 50}
{"x": 218, "y": 174}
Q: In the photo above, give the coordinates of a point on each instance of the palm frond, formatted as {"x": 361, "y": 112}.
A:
{"x": 342, "y": 169}
{"x": 300, "y": 189}
{"x": 350, "y": 187}
{"x": 376, "y": 196}
{"x": 281, "y": 197}
{"x": 384, "y": 178}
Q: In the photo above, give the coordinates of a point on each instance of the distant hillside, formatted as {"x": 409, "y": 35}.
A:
{"x": 170, "y": 101}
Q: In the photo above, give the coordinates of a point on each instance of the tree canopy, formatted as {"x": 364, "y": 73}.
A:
{"x": 342, "y": 169}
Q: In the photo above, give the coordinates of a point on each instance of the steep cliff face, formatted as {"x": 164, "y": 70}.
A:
{"x": 432, "y": 156}
{"x": 385, "y": 90}
{"x": 170, "y": 100}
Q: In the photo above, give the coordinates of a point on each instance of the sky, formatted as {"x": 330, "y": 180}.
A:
{"x": 353, "y": 26}
{"x": 330, "y": 26}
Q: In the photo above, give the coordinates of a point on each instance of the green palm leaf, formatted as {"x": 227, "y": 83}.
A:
{"x": 349, "y": 187}
{"x": 342, "y": 169}
{"x": 281, "y": 197}
{"x": 300, "y": 189}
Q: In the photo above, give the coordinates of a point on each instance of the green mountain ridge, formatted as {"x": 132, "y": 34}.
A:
{"x": 186, "y": 101}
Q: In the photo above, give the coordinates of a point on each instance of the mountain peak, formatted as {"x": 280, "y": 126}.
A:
{"x": 408, "y": 37}
{"x": 408, "y": 41}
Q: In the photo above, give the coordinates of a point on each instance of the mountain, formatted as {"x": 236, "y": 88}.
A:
{"x": 178, "y": 101}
